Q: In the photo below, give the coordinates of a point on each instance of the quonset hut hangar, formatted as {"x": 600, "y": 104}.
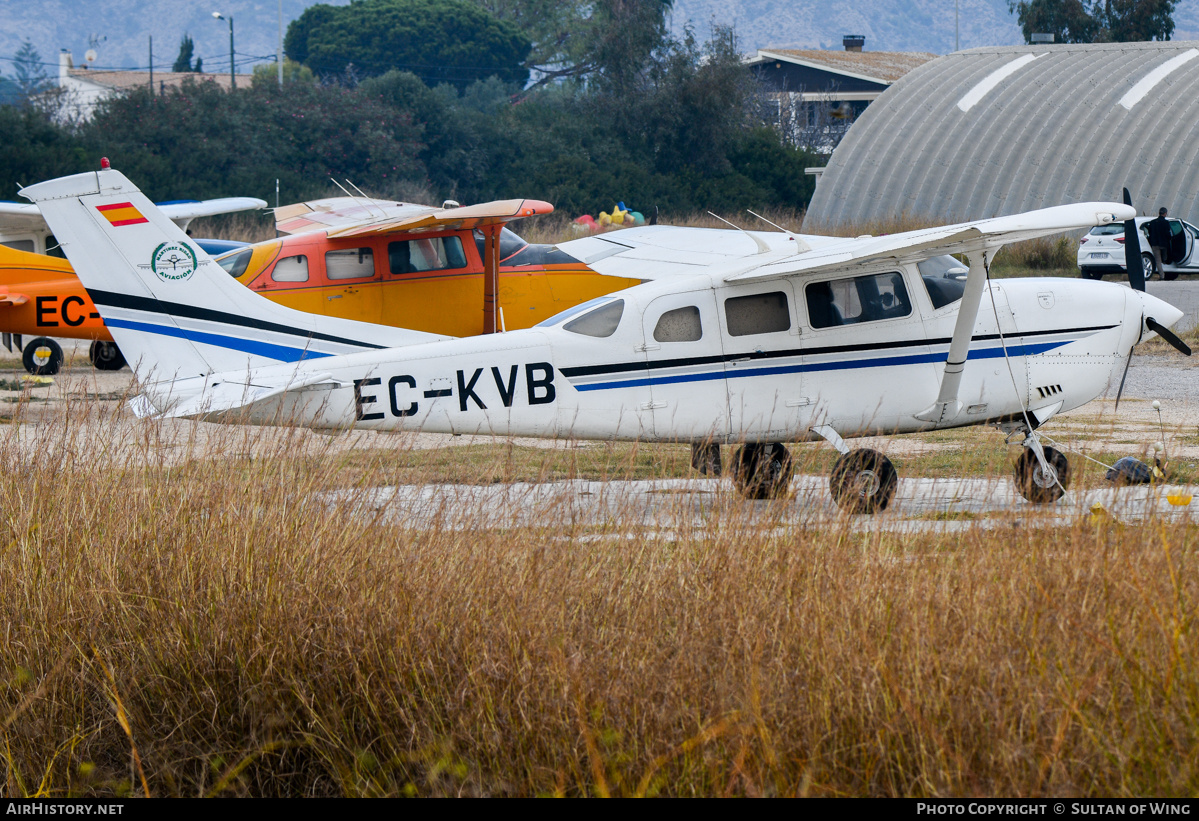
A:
{"x": 994, "y": 131}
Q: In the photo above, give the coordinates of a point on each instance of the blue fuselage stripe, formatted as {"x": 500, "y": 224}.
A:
{"x": 812, "y": 367}
{"x": 283, "y": 353}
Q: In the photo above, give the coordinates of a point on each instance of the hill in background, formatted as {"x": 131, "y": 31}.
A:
{"x": 889, "y": 25}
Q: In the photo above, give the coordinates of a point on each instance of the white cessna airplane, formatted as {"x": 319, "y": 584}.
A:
{"x": 802, "y": 340}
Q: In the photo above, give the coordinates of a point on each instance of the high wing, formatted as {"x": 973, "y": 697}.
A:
{"x": 659, "y": 251}
{"x": 964, "y": 238}
{"x": 25, "y": 217}
{"x": 352, "y": 217}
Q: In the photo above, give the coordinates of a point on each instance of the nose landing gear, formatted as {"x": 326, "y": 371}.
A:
{"x": 1042, "y": 481}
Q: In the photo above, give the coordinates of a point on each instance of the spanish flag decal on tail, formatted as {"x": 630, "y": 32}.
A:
{"x": 121, "y": 213}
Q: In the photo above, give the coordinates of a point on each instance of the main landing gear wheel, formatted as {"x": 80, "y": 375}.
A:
{"x": 106, "y": 356}
{"x": 863, "y": 481}
{"x": 762, "y": 471}
{"x": 42, "y": 357}
{"x": 1034, "y": 483}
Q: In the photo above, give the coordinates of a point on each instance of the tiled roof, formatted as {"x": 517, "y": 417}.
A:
{"x": 887, "y": 66}
{"x": 124, "y": 80}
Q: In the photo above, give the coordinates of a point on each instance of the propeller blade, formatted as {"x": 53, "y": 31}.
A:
{"x": 1168, "y": 335}
{"x": 1132, "y": 250}
{"x": 1120, "y": 392}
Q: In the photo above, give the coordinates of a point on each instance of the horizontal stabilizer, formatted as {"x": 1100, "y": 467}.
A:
{"x": 220, "y": 396}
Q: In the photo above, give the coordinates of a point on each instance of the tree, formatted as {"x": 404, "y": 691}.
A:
{"x": 267, "y": 74}
{"x": 31, "y": 78}
{"x": 183, "y": 62}
{"x": 589, "y": 39}
{"x": 1103, "y": 21}
{"x": 440, "y": 41}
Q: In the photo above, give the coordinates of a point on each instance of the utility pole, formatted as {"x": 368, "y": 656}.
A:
{"x": 151, "y": 65}
{"x": 279, "y": 50}
{"x": 232, "y": 75}
{"x": 957, "y": 46}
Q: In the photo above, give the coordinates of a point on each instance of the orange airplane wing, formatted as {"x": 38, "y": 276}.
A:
{"x": 343, "y": 217}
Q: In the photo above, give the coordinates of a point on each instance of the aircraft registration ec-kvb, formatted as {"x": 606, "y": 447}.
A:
{"x": 789, "y": 339}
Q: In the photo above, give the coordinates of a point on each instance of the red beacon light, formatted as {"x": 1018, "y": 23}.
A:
{"x": 105, "y": 164}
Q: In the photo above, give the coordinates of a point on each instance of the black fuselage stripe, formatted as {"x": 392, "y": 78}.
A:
{"x": 663, "y": 364}
{"x": 157, "y": 306}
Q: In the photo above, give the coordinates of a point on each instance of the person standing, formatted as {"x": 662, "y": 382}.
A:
{"x": 1159, "y": 240}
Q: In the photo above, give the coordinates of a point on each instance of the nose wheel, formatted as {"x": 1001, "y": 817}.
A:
{"x": 863, "y": 481}
{"x": 762, "y": 471}
{"x": 1042, "y": 483}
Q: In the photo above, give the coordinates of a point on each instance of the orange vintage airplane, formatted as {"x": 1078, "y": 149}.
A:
{"x": 412, "y": 266}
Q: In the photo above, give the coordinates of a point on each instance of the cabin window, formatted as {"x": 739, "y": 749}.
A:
{"x": 350, "y": 263}
{"x": 944, "y": 278}
{"x": 757, "y": 314}
{"x": 679, "y": 325}
{"x": 857, "y": 299}
{"x": 291, "y": 269}
{"x": 600, "y": 322}
{"x": 432, "y": 254}
{"x": 25, "y": 245}
{"x": 235, "y": 264}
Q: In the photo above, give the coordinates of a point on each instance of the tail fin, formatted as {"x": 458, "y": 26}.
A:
{"x": 173, "y": 310}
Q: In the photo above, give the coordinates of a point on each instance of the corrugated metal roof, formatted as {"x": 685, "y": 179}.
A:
{"x": 994, "y": 131}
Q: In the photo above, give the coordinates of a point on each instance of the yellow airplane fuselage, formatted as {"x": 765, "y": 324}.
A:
{"x": 41, "y": 296}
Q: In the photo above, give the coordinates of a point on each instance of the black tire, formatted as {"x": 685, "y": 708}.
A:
{"x": 1034, "y": 484}
{"x": 1149, "y": 267}
{"x": 106, "y": 356}
{"x": 863, "y": 481}
{"x": 42, "y": 357}
{"x": 762, "y": 471}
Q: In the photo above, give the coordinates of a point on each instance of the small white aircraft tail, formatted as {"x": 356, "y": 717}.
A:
{"x": 174, "y": 311}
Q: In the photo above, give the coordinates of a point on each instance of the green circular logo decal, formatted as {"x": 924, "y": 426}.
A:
{"x": 173, "y": 261}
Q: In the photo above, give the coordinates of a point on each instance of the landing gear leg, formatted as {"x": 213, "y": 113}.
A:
{"x": 1042, "y": 473}
{"x": 762, "y": 471}
{"x": 705, "y": 457}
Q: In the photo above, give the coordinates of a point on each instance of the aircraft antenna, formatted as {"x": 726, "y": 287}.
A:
{"x": 763, "y": 248}
{"x": 371, "y": 200}
{"x": 347, "y": 193}
{"x": 803, "y": 246}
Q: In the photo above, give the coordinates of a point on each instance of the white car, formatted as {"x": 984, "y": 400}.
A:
{"x": 1101, "y": 251}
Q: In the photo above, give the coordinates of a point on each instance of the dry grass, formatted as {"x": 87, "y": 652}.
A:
{"x": 223, "y": 629}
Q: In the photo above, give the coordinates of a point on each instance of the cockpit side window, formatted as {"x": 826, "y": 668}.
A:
{"x": 350, "y": 263}
{"x": 679, "y": 325}
{"x": 944, "y": 278}
{"x": 757, "y": 314}
{"x": 599, "y": 322}
{"x": 852, "y": 300}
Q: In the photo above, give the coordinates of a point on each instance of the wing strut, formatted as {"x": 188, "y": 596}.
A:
{"x": 491, "y": 276}
{"x": 948, "y": 405}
